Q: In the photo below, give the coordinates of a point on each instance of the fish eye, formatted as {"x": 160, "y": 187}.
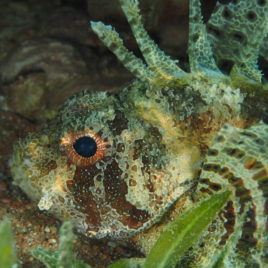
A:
{"x": 83, "y": 148}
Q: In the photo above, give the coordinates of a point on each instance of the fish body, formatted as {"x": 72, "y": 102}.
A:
{"x": 115, "y": 164}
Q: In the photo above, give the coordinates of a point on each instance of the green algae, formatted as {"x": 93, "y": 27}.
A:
{"x": 184, "y": 231}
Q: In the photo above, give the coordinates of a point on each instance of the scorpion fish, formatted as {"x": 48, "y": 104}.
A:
{"x": 116, "y": 163}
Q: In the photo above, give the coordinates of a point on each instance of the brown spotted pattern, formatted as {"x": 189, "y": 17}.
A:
{"x": 129, "y": 182}
{"x": 162, "y": 144}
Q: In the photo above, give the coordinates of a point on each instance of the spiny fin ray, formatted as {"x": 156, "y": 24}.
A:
{"x": 200, "y": 52}
{"x": 112, "y": 40}
{"x": 238, "y": 160}
{"x": 156, "y": 59}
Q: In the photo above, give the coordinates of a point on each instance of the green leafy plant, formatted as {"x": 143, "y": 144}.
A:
{"x": 7, "y": 245}
{"x": 184, "y": 231}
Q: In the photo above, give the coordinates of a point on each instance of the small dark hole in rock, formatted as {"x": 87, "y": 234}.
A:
{"x": 251, "y": 16}
{"x": 216, "y": 32}
{"x": 201, "y": 245}
{"x": 261, "y": 2}
{"x": 239, "y": 37}
{"x": 226, "y": 66}
{"x": 195, "y": 37}
{"x": 226, "y": 13}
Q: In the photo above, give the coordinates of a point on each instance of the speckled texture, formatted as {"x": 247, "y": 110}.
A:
{"x": 126, "y": 194}
{"x": 152, "y": 140}
{"x": 243, "y": 22}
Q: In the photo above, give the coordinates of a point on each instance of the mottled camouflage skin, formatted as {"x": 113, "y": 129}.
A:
{"x": 153, "y": 139}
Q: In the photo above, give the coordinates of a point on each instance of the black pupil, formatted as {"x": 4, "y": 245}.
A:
{"x": 85, "y": 146}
